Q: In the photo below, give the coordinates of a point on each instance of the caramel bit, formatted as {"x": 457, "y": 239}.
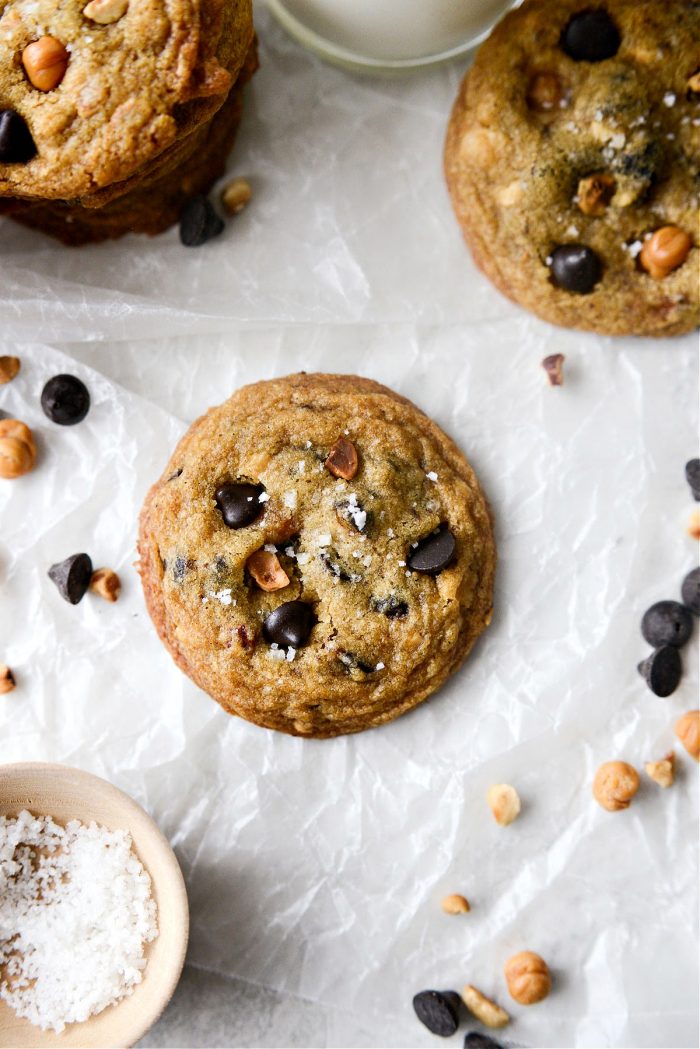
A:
{"x": 595, "y": 193}
{"x": 553, "y": 365}
{"x": 9, "y": 367}
{"x": 106, "y": 584}
{"x": 544, "y": 92}
{"x": 7, "y": 679}
{"x": 266, "y": 570}
{"x": 342, "y": 459}
{"x": 17, "y": 448}
{"x": 45, "y": 62}
{"x": 665, "y": 251}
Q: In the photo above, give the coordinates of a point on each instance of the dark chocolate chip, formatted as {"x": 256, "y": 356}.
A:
{"x": 16, "y": 142}
{"x": 289, "y": 624}
{"x": 692, "y": 476}
{"x": 391, "y": 607}
{"x": 173, "y": 477}
{"x": 239, "y": 503}
{"x": 353, "y": 662}
{"x": 690, "y": 591}
{"x": 667, "y": 623}
{"x": 65, "y": 400}
{"x": 575, "y": 268}
{"x": 433, "y": 553}
{"x": 590, "y": 36}
{"x": 438, "y": 1011}
{"x": 476, "y": 1040}
{"x": 199, "y": 222}
{"x": 662, "y": 670}
{"x": 72, "y": 577}
{"x": 331, "y": 561}
{"x": 181, "y": 568}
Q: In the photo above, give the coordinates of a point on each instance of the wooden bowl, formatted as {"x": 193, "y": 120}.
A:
{"x": 64, "y": 794}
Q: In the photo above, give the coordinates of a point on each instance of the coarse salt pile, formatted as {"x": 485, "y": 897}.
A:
{"x": 76, "y": 912}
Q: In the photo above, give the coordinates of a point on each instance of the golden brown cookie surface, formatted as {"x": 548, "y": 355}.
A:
{"x": 575, "y": 139}
{"x": 303, "y": 589}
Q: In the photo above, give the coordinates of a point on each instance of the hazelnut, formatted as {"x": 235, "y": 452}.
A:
{"x": 544, "y": 92}
{"x": 105, "y": 11}
{"x": 9, "y": 366}
{"x": 235, "y": 195}
{"x": 7, "y": 679}
{"x": 687, "y": 728}
{"x": 595, "y": 193}
{"x": 662, "y": 772}
{"x": 553, "y": 366}
{"x": 504, "y": 803}
{"x": 511, "y": 194}
{"x": 45, "y": 62}
{"x": 615, "y": 784}
{"x": 665, "y": 251}
{"x": 17, "y": 448}
{"x": 485, "y": 1010}
{"x": 342, "y": 459}
{"x": 266, "y": 570}
{"x": 527, "y": 976}
{"x": 106, "y": 584}
{"x": 694, "y": 81}
{"x": 455, "y": 904}
{"x": 694, "y": 525}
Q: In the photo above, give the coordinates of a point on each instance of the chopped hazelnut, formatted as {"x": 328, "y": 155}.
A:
{"x": 615, "y": 785}
{"x": 694, "y": 82}
{"x": 9, "y": 366}
{"x": 483, "y": 1008}
{"x": 7, "y": 679}
{"x": 45, "y": 62}
{"x": 342, "y": 459}
{"x": 17, "y": 448}
{"x": 553, "y": 366}
{"x": 665, "y": 251}
{"x": 544, "y": 92}
{"x": 106, "y": 583}
{"x": 455, "y": 904}
{"x": 105, "y": 11}
{"x": 687, "y": 728}
{"x": 663, "y": 771}
{"x": 235, "y": 195}
{"x": 266, "y": 570}
{"x": 504, "y": 803}
{"x": 595, "y": 193}
{"x": 528, "y": 978}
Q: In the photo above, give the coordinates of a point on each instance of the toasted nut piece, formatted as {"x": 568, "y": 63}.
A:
{"x": 509, "y": 195}
{"x": 595, "y": 193}
{"x": 615, "y": 784}
{"x": 105, "y": 11}
{"x": 694, "y": 525}
{"x": 17, "y": 448}
{"x": 235, "y": 195}
{"x": 342, "y": 459}
{"x": 664, "y": 251}
{"x": 504, "y": 803}
{"x": 106, "y": 583}
{"x": 663, "y": 771}
{"x": 7, "y": 679}
{"x": 9, "y": 366}
{"x": 694, "y": 81}
{"x": 553, "y": 366}
{"x": 528, "y": 978}
{"x": 483, "y": 1008}
{"x": 455, "y": 904}
{"x": 266, "y": 570}
{"x": 544, "y": 92}
{"x": 45, "y": 62}
{"x": 687, "y": 728}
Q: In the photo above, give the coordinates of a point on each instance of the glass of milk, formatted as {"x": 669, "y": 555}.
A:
{"x": 389, "y": 34}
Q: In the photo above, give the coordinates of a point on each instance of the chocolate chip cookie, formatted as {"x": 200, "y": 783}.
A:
{"x": 318, "y": 555}
{"x": 573, "y": 163}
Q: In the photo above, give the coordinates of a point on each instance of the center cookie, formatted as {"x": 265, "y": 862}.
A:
{"x": 318, "y": 555}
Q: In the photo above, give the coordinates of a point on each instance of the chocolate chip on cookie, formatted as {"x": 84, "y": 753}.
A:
{"x": 575, "y": 268}
{"x": 591, "y": 36}
{"x": 289, "y": 624}
{"x": 16, "y": 142}
{"x": 240, "y": 504}
{"x": 434, "y": 553}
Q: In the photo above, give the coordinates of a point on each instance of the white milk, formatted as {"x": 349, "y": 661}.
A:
{"x": 397, "y": 29}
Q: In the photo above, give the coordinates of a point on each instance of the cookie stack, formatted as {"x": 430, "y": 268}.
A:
{"x": 113, "y": 113}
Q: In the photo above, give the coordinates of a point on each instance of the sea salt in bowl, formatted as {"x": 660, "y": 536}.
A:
{"x": 68, "y": 794}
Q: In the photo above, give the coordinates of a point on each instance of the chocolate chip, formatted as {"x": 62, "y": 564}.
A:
{"x": 72, "y": 577}
{"x": 391, "y": 607}
{"x": 662, "y": 670}
{"x": 199, "y": 222}
{"x": 330, "y": 560}
{"x": 590, "y": 36}
{"x": 173, "y": 477}
{"x": 289, "y": 624}
{"x": 575, "y": 268}
{"x": 433, "y": 553}
{"x": 667, "y": 623}
{"x": 690, "y": 591}
{"x": 181, "y": 568}
{"x": 65, "y": 400}
{"x": 16, "y": 142}
{"x": 438, "y": 1011}
{"x": 239, "y": 503}
{"x": 353, "y": 662}
{"x": 476, "y": 1040}
{"x": 692, "y": 476}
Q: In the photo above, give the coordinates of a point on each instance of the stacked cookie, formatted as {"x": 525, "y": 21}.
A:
{"x": 113, "y": 113}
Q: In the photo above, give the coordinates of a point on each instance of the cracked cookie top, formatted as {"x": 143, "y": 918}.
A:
{"x": 318, "y": 554}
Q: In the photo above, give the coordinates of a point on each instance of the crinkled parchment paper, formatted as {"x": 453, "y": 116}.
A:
{"x": 317, "y": 868}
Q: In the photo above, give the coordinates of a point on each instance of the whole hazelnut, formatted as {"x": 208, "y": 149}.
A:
{"x": 665, "y": 251}
{"x": 9, "y": 367}
{"x": 17, "y": 449}
{"x": 455, "y": 904}
{"x": 615, "y": 785}
{"x": 687, "y": 729}
{"x": 504, "y": 803}
{"x": 45, "y": 62}
{"x": 528, "y": 978}
{"x": 7, "y": 679}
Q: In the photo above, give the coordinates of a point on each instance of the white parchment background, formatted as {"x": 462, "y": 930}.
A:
{"x": 317, "y": 867}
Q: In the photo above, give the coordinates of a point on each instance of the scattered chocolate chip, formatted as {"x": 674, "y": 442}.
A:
{"x": 329, "y": 559}
{"x": 72, "y": 577}
{"x": 575, "y": 268}
{"x": 690, "y": 591}
{"x": 239, "y": 503}
{"x": 667, "y": 623}
{"x": 433, "y": 553}
{"x": 590, "y": 36}
{"x": 553, "y": 366}
{"x": 181, "y": 567}
{"x": 16, "y": 142}
{"x": 65, "y": 400}
{"x": 199, "y": 222}
{"x": 476, "y": 1040}
{"x": 662, "y": 670}
{"x": 342, "y": 459}
{"x": 438, "y": 1011}
{"x": 391, "y": 607}
{"x": 173, "y": 477}
{"x": 692, "y": 476}
{"x": 289, "y": 624}
{"x": 353, "y": 662}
